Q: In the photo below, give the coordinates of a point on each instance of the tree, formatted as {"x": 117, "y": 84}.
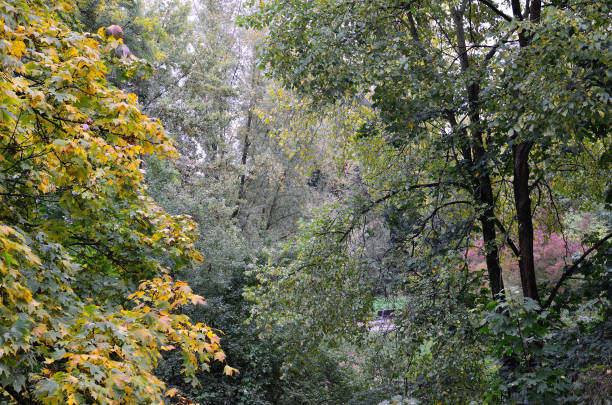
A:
{"x": 450, "y": 77}
{"x": 78, "y": 229}
{"x": 557, "y": 105}
{"x": 482, "y": 116}
{"x": 233, "y": 179}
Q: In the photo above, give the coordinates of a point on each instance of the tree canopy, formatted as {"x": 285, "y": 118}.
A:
{"x": 488, "y": 117}
{"x": 391, "y": 202}
{"x": 78, "y": 228}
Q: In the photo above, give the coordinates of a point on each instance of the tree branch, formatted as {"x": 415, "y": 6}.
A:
{"x": 20, "y": 399}
{"x": 507, "y": 237}
{"x": 568, "y": 273}
{"x": 516, "y": 9}
{"x": 497, "y": 11}
{"x": 384, "y": 198}
{"x": 435, "y": 211}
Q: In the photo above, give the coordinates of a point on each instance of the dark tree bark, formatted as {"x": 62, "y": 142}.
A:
{"x": 245, "y": 153}
{"x": 483, "y": 190}
{"x": 18, "y": 397}
{"x": 246, "y": 144}
{"x": 522, "y": 203}
{"x": 487, "y": 221}
{"x": 520, "y": 162}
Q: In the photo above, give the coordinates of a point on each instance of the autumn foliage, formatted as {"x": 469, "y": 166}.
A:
{"x": 553, "y": 252}
{"x": 77, "y": 229}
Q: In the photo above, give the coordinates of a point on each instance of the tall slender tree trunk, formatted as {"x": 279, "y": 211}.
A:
{"x": 520, "y": 162}
{"x": 522, "y": 201}
{"x": 243, "y": 160}
{"x": 489, "y": 235}
{"x": 483, "y": 189}
{"x": 246, "y": 142}
{"x": 245, "y": 153}
{"x": 480, "y": 177}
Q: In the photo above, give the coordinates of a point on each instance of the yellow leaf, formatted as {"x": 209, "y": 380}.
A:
{"x": 143, "y": 335}
{"x": 219, "y": 356}
{"x": 20, "y": 83}
{"x": 19, "y": 48}
{"x": 196, "y": 299}
{"x": 227, "y": 370}
{"x": 165, "y": 321}
{"x": 72, "y": 379}
{"x": 39, "y": 330}
{"x": 214, "y": 339}
{"x": 171, "y": 392}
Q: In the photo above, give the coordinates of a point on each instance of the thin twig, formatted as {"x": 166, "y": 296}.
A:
{"x": 568, "y": 273}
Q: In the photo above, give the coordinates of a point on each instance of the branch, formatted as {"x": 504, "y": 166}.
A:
{"x": 173, "y": 85}
{"x": 496, "y": 10}
{"x": 516, "y": 9}
{"x": 435, "y": 211}
{"x": 495, "y": 47}
{"x": 384, "y": 198}
{"x": 20, "y": 399}
{"x": 395, "y": 192}
{"x": 411, "y": 25}
{"x": 507, "y": 237}
{"x": 568, "y": 273}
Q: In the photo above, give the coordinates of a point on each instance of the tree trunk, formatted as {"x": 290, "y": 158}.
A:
{"x": 483, "y": 190}
{"x": 520, "y": 154}
{"x": 520, "y": 161}
{"x": 245, "y": 153}
{"x": 243, "y": 161}
{"x": 487, "y": 222}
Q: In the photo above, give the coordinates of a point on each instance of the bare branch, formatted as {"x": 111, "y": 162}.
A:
{"x": 507, "y": 237}
{"x": 568, "y": 273}
{"x": 497, "y": 11}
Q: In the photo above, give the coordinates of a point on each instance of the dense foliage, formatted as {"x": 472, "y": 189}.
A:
{"x": 390, "y": 202}
{"x": 78, "y": 229}
{"x": 490, "y": 121}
